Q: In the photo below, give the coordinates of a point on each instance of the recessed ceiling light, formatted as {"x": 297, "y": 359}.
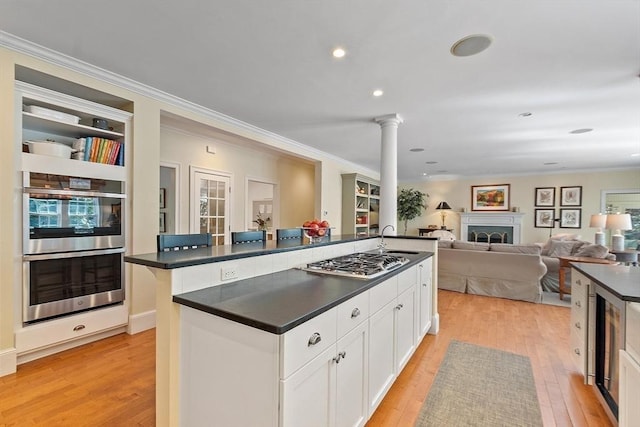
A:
{"x": 526, "y": 114}
{"x": 577, "y": 131}
{"x": 338, "y": 52}
{"x": 416, "y": 150}
{"x": 471, "y": 45}
{"x": 378, "y": 92}
{"x": 431, "y": 162}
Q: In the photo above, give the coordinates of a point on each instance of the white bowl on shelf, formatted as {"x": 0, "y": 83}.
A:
{"x": 52, "y": 114}
{"x": 50, "y": 148}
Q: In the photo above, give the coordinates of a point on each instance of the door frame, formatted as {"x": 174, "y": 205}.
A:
{"x": 194, "y": 226}
{"x": 178, "y": 194}
{"x": 248, "y": 204}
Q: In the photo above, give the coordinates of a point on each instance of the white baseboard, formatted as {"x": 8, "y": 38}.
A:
{"x": 8, "y": 361}
{"x": 141, "y": 322}
{"x": 435, "y": 324}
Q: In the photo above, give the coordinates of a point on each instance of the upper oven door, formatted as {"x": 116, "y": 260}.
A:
{"x": 64, "y": 213}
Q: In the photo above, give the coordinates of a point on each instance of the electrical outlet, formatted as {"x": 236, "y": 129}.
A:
{"x": 228, "y": 273}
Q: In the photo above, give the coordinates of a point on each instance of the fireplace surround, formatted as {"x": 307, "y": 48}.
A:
{"x": 473, "y": 224}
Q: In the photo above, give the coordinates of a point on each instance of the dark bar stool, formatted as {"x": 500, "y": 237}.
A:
{"x": 248, "y": 236}
{"x": 288, "y": 233}
{"x": 180, "y": 242}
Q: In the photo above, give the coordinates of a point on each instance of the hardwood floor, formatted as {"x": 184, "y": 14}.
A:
{"x": 111, "y": 382}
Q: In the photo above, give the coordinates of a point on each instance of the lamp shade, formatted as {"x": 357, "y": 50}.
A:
{"x": 618, "y": 222}
{"x": 443, "y": 205}
{"x": 598, "y": 221}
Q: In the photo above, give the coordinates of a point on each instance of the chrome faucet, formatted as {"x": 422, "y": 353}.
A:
{"x": 381, "y": 245}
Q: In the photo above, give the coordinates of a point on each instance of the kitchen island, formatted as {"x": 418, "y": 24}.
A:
{"x": 228, "y": 349}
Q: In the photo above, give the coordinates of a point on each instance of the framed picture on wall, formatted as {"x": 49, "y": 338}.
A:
{"x": 570, "y": 218}
{"x": 571, "y": 196}
{"x": 544, "y": 218}
{"x": 490, "y": 197}
{"x": 162, "y": 225}
{"x": 163, "y": 195}
{"x": 545, "y": 196}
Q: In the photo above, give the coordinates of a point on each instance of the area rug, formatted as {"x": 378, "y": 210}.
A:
{"x": 479, "y": 386}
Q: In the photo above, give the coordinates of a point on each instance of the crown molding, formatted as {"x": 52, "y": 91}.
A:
{"x": 42, "y": 53}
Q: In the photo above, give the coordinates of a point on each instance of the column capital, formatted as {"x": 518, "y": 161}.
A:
{"x": 389, "y": 119}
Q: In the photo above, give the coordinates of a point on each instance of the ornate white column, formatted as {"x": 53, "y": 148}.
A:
{"x": 389, "y": 171}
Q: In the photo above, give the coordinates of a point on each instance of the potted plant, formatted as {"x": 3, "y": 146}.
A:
{"x": 262, "y": 222}
{"x": 410, "y": 204}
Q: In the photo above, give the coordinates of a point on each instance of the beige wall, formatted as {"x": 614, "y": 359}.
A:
{"x": 458, "y": 195}
{"x": 297, "y": 192}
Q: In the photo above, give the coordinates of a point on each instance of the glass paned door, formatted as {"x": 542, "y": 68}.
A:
{"x": 210, "y": 202}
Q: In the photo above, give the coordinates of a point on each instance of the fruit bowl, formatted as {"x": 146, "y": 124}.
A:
{"x": 315, "y": 234}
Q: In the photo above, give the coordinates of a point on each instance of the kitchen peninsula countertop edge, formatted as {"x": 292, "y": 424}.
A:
{"x": 191, "y": 257}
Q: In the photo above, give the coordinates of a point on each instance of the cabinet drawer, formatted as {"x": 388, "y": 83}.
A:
{"x": 381, "y": 294}
{"x": 578, "y": 350}
{"x": 353, "y": 312}
{"x": 407, "y": 279}
{"x": 304, "y": 342}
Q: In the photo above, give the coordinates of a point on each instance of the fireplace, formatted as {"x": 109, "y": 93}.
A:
{"x": 494, "y": 227}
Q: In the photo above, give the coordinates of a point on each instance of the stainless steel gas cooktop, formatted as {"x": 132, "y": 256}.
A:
{"x": 361, "y": 265}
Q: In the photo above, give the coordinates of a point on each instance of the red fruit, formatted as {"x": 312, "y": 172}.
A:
{"x": 306, "y": 224}
{"x": 322, "y": 232}
{"x": 324, "y": 224}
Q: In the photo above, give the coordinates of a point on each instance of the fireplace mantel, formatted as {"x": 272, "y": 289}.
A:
{"x": 496, "y": 219}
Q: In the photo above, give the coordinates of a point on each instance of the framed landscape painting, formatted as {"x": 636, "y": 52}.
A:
{"x": 545, "y": 196}
{"x": 570, "y": 218}
{"x": 490, "y": 197}
{"x": 545, "y": 218}
{"x": 571, "y": 196}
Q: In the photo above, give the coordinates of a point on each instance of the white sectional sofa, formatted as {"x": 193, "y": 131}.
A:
{"x": 499, "y": 270}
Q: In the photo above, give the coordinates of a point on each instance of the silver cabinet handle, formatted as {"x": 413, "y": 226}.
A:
{"x": 340, "y": 355}
{"x": 399, "y": 306}
{"x": 578, "y": 303}
{"x": 578, "y": 325}
{"x": 576, "y": 351}
{"x": 314, "y": 339}
{"x": 355, "y": 313}
{"x": 424, "y": 284}
{"x": 78, "y": 328}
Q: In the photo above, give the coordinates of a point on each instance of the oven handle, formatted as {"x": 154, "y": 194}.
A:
{"x": 76, "y": 254}
{"x": 51, "y": 191}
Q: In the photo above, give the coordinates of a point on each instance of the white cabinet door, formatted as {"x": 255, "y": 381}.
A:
{"x": 307, "y": 397}
{"x": 629, "y": 409}
{"x": 405, "y": 328}
{"x": 381, "y": 353}
{"x": 424, "y": 292}
{"x": 351, "y": 378}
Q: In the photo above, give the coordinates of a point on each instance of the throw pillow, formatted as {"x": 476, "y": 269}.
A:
{"x": 593, "y": 251}
{"x": 559, "y": 236}
{"x": 470, "y": 246}
{"x": 561, "y": 248}
{"x": 515, "y": 249}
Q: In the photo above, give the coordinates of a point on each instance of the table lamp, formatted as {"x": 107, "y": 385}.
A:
{"x": 443, "y": 207}
{"x": 618, "y": 222}
{"x": 598, "y": 221}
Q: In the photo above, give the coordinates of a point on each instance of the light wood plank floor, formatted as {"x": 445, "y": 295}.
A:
{"x": 111, "y": 382}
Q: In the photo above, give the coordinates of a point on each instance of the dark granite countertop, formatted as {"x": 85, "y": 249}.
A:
{"x": 622, "y": 281}
{"x": 280, "y": 301}
{"x": 177, "y": 259}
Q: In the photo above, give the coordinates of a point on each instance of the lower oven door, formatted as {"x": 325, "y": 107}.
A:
{"x": 63, "y": 283}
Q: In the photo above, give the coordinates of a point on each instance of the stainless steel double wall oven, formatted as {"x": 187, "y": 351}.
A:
{"x": 73, "y": 244}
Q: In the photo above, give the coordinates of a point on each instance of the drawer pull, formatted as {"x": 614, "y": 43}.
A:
{"x": 576, "y": 351}
{"x": 578, "y": 325}
{"x": 399, "y": 306}
{"x": 314, "y": 339}
{"x": 424, "y": 284}
{"x": 340, "y": 355}
{"x": 78, "y": 328}
{"x": 578, "y": 304}
{"x": 355, "y": 313}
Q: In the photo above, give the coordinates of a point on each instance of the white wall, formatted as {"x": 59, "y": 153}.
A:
{"x": 458, "y": 195}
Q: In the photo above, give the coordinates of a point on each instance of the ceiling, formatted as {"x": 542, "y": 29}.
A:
{"x": 571, "y": 64}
